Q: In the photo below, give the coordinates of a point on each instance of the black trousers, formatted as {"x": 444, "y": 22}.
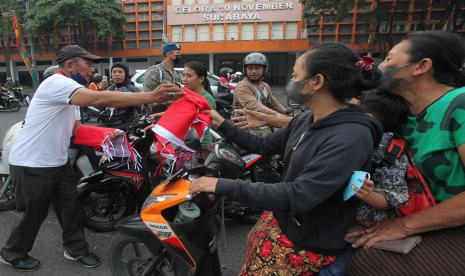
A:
{"x": 36, "y": 188}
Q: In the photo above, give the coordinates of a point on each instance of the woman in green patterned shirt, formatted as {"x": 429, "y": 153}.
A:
{"x": 426, "y": 69}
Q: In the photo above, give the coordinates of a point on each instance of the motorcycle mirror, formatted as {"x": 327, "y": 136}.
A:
{"x": 192, "y": 140}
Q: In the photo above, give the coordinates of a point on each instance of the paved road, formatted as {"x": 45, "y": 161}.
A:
{"x": 48, "y": 249}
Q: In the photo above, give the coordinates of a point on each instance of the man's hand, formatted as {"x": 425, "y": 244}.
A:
{"x": 366, "y": 190}
{"x": 245, "y": 119}
{"x": 166, "y": 92}
{"x": 217, "y": 120}
{"x": 115, "y": 134}
{"x": 203, "y": 184}
{"x": 388, "y": 230}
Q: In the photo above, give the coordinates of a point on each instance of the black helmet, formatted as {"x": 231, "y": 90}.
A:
{"x": 50, "y": 70}
{"x": 225, "y": 72}
{"x": 256, "y": 59}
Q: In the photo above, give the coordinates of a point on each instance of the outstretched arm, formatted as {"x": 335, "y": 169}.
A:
{"x": 87, "y": 97}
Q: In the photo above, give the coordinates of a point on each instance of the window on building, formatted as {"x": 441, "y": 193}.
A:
{"x": 329, "y": 29}
{"x": 345, "y": 39}
{"x": 218, "y": 1}
{"x": 329, "y": 18}
{"x": 202, "y": 1}
{"x": 157, "y": 34}
{"x": 262, "y": 31}
{"x": 345, "y": 28}
{"x": 157, "y": 25}
{"x": 130, "y": 35}
{"x": 233, "y": 32}
{"x": 131, "y": 17}
{"x": 399, "y": 27}
{"x": 131, "y": 26}
{"x": 277, "y": 30}
{"x": 189, "y": 33}
{"x": 131, "y": 45}
{"x": 203, "y": 33}
{"x": 130, "y": 7}
{"x": 176, "y": 2}
{"x": 176, "y": 34}
{"x": 328, "y": 38}
{"x": 143, "y": 16}
{"x": 157, "y": 15}
{"x": 143, "y": 25}
{"x": 144, "y": 35}
{"x": 314, "y": 39}
{"x": 291, "y": 30}
{"x": 143, "y": 7}
{"x": 157, "y": 6}
{"x": 218, "y": 32}
{"x": 156, "y": 44}
{"x": 189, "y": 2}
{"x": 144, "y": 44}
{"x": 247, "y": 31}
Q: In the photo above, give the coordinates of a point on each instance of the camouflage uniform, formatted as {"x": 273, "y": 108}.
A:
{"x": 159, "y": 74}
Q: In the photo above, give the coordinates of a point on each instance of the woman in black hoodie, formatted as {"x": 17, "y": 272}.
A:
{"x": 119, "y": 117}
{"x": 307, "y": 219}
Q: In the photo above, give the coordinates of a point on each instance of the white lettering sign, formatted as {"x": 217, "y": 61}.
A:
{"x": 274, "y": 10}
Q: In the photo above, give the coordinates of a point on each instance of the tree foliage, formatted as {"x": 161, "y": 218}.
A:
{"x": 82, "y": 16}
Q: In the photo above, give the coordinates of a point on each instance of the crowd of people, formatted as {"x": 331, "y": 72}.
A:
{"x": 355, "y": 110}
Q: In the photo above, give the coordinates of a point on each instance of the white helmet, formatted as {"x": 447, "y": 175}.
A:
{"x": 238, "y": 73}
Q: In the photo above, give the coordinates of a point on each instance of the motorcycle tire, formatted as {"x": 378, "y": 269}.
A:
{"x": 95, "y": 201}
{"x": 14, "y": 106}
{"x": 134, "y": 262}
{"x": 7, "y": 200}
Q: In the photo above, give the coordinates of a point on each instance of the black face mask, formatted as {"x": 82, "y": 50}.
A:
{"x": 177, "y": 59}
{"x": 389, "y": 82}
{"x": 294, "y": 91}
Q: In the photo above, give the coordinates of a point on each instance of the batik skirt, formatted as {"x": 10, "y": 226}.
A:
{"x": 270, "y": 252}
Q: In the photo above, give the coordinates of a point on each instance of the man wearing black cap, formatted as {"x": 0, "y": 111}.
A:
{"x": 39, "y": 165}
{"x": 164, "y": 72}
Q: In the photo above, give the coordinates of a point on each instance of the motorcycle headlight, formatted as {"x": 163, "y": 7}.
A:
{"x": 151, "y": 199}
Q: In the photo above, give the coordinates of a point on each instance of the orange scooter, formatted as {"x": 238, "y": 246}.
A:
{"x": 176, "y": 234}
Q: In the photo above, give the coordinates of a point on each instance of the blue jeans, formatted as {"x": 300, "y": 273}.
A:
{"x": 339, "y": 267}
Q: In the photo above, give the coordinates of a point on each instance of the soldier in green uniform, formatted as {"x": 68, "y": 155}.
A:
{"x": 164, "y": 72}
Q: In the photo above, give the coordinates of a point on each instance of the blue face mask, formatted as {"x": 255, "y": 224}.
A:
{"x": 78, "y": 77}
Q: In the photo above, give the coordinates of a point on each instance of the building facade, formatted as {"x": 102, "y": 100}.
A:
{"x": 375, "y": 26}
{"x": 221, "y": 32}
{"x": 217, "y": 32}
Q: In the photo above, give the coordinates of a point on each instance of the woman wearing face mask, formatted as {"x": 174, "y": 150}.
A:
{"x": 426, "y": 70}
{"x": 119, "y": 117}
{"x": 306, "y": 219}
{"x": 196, "y": 79}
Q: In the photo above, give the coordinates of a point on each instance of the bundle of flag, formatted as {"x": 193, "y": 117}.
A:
{"x": 98, "y": 138}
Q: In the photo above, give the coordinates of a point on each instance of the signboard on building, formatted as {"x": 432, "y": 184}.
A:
{"x": 234, "y": 12}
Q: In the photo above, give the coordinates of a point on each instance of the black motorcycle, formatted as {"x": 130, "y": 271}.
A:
{"x": 119, "y": 190}
{"x": 8, "y": 101}
{"x": 20, "y": 96}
